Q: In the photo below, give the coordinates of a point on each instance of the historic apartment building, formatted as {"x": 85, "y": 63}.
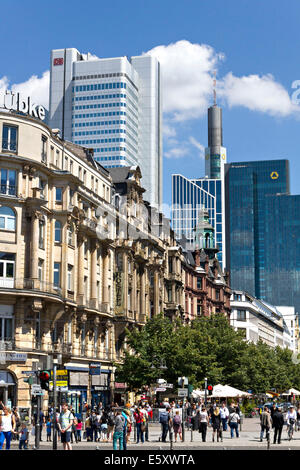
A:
{"x": 82, "y": 257}
{"x": 206, "y": 285}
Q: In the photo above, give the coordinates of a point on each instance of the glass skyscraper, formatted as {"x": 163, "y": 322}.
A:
{"x": 112, "y": 106}
{"x": 189, "y": 196}
{"x": 248, "y": 187}
{"x": 282, "y": 250}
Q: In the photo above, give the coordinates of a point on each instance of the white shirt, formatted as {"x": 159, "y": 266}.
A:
{"x": 224, "y": 412}
{"x": 290, "y": 415}
{"x": 203, "y": 416}
{"x": 6, "y": 423}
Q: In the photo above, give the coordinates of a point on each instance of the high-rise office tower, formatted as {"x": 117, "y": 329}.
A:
{"x": 282, "y": 250}
{"x": 250, "y": 213}
{"x": 189, "y": 196}
{"x": 112, "y": 106}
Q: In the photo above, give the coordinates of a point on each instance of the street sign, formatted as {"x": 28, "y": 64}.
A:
{"x": 183, "y": 392}
{"x": 95, "y": 369}
{"x": 169, "y": 385}
{"x": 160, "y": 389}
{"x": 61, "y": 378}
{"x": 36, "y": 390}
{"x": 29, "y": 372}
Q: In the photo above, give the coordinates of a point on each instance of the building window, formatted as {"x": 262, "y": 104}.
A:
{"x": 58, "y": 230}
{"x": 119, "y": 261}
{"x": 42, "y": 188}
{"x": 57, "y": 161}
{"x": 44, "y": 149}
{"x": 237, "y": 297}
{"x": 8, "y": 182}
{"x": 129, "y": 300}
{"x": 7, "y": 269}
{"x": 70, "y": 277}
{"x": 9, "y": 138}
{"x": 199, "y": 307}
{"x": 58, "y": 194}
{"x": 241, "y": 315}
{"x": 56, "y": 274}
{"x": 42, "y": 234}
{"x": 243, "y": 331}
{"x": 7, "y": 218}
{"x": 70, "y": 235}
{"x": 170, "y": 294}
{"x": 6, "y": 322}
{"x": 199, "y": 282}
{"x": 217, "y": 294}
{"x": 41, "y": 270}
{"x": 170, "y": 265}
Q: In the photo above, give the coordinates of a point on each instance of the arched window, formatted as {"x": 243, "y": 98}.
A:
{"x": 7, "y": 218}
{"x": 57, "y": 236}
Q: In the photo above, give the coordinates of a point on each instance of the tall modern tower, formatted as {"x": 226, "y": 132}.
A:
{"x": 112, "y": 106}
{"x": 257, "y": 234}
{"x": 190, "y": 196}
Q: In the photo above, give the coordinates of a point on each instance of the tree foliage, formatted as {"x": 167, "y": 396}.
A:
{"x": 209, "y": 347}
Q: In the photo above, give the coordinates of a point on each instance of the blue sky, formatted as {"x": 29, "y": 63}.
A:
{"x": 253, "y": 45}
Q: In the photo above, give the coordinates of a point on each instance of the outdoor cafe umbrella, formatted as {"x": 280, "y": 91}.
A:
{"x": 227, "y": 391}
{"x": 291, "y": 391}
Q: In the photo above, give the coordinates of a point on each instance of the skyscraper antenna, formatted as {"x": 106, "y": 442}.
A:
{"x": 214, "y": 87}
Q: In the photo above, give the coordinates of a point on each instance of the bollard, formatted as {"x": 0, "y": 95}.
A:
{"x": 171, "y": 440}
{"x": 191, "y": 434}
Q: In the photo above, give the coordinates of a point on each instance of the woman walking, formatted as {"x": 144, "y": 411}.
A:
{"x": 7, "y": 427}
{"x": 177, "y": 426}
{"x": 204, "y": 420}
{"x": 216, "y": 424}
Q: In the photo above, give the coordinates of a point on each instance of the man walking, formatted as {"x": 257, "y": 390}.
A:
{"x": 118, "y": 432}
{"x": 224, "y": 412}
{"x": 277, "y": 423}
{"x": 265, "y": 423}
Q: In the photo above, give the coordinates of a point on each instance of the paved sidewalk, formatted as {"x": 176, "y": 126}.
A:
{"x": 249, "y": 439}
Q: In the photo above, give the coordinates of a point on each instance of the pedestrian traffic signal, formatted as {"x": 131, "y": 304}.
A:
{"x": 210, "y": 389}
{"x": 44, "y": 377}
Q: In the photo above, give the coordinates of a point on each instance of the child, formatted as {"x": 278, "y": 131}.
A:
{"x": 24, "y": 434}
{"x": 49, "y": 428}
{"x": 78, "y": 430}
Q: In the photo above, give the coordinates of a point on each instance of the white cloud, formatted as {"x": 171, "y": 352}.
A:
{"x": 257, "y": 93}
{"x": 37, "y": 88}
{"x": 177, "y": 152}
{"x": 199, "y": 146}
{"x": 187, "y": 71}
{"x": 187, "y": 77}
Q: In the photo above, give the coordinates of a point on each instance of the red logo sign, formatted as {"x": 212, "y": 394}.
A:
{"x": 58, "y": 61}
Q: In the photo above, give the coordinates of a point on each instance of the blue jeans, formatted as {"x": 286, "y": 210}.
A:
{"x": 234, "y": 426}
{"x": 22, "y": 444}
{"x": 118, "y": 436}
{"x": 7, "y": 437}
{"x": 224, "y": 424}
{"x": 139, "y": 433}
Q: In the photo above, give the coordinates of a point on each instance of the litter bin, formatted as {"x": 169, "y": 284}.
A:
{"x": 241, "y": 420}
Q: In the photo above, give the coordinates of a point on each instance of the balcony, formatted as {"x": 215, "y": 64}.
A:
{"x": 30, "y": 284}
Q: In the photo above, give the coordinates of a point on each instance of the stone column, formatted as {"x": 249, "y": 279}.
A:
{"x": 80, "y": 269}
{"x": 105, "y": 296}
{"x": 34, "y": 246}
{"x": 142, "y": 314}
{"x": 156, "y": 292}
{"x": 94, "y": 293}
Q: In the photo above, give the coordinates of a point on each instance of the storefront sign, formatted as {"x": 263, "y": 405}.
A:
{"x": 13, "y": 102}
{"x": 61, "y": 378}
{"x": 120, "y": 385}
{"x": 13, "y": 357}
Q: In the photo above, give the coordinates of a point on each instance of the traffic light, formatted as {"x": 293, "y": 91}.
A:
{"x": 44, "y": 377}
{"x": 210, "y": 389}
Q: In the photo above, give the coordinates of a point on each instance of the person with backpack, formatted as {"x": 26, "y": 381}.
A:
{"x": 110, "y": 424}
{"x": 177, "y": 426}
{"x": 95, "y": 426}
{"x": 164, "y": 421}
{"x": 118, "y": 431}
{"x": 65, "y": 423}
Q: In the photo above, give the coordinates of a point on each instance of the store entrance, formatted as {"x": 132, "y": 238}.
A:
{"x": 8, "y": 389}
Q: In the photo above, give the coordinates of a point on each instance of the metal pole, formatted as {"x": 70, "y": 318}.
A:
{"x": 54, "y": 405}
{"x": 205, "y": 392}
{"x": 183, "y": 424}
{"x": 37, "y": 423}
